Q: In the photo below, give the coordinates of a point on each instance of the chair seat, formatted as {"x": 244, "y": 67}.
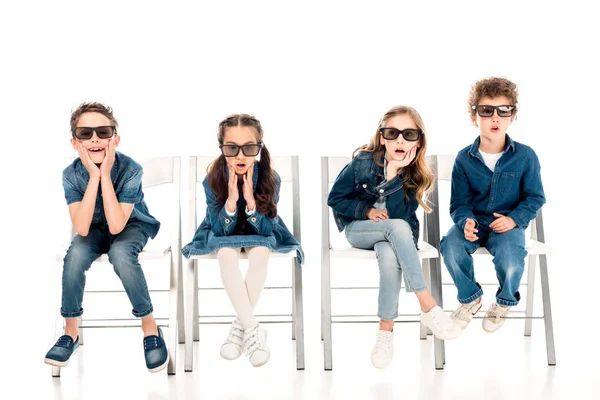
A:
{"x": 244, "y": 255}
{"x": 342, "y": 249}
{"x": 533, "y": 247}
{"x": 154, "y": 250}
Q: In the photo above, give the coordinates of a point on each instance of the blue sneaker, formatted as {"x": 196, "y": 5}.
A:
{"x": 60, "y": 354}
{"x": 155, "y": 351}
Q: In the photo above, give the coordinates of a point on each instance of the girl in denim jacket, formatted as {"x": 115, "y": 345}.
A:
{"x": 241, "y": 214}
{"x": 374, "y": 199}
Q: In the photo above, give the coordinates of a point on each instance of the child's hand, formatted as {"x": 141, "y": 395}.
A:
{"x": 109, "y": 159}
{"x": 87, "y": 162}
{"x": 234, "y": 195}
{"x": 394, "y": 165}
{"x": 470, "y": 231}
{"x": 377, "y": 215}
{"x": 247, "y": 189}
{"x": 502, "y": 223}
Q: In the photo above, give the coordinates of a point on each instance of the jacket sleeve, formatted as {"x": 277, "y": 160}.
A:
{"x": 221, "y": 223}
{"x": 460, "y": 197}
{"x": 342, "y": 198}
{"x": 532, "y": 193}
{"x": 262, "y": 224}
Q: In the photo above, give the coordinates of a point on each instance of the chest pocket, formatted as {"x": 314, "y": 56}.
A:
{"x": 365, "y": 191}
{"x": 510, "y": 183}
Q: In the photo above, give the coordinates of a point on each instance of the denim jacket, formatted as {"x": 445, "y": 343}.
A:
{"x": 514, "y": 189}
{"x": 220, "y": 229}
{"x": 360, "y": 184}
{"x": 126, "y": 176}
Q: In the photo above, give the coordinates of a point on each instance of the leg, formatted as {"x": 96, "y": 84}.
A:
{"x": 235, "y": 286}
{"x": 258, "y": 260}
{"x": 509, "y": 253}
{"x": 457, "y": 251}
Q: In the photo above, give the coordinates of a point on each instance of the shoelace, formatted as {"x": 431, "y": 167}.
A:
{"x": 64, "y": 341}
{"x": 496, "y": 312}
{"x": 464, "y": 311}
{"x": 150, "y": 342}
{"x": 252, "y": 342}
{"x": 384, "y": 342}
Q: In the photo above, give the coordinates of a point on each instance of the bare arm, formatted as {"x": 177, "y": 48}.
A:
{"x": 82, "y": 212}
{"x": 117, "y": 214}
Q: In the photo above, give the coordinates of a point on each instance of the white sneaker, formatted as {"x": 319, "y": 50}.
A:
{"x": 383, "y": 352}
{"x": 255, "y": 345}
{"x": 440, "y": 324}
{"x": 495, "y": 317}
{"x": 465, "y": 313}
{"x": 232, "y": 348}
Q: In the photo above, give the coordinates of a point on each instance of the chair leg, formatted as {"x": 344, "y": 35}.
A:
{"x": 547, "y": 310}
{"x": 80, "y": 330}
{"x": 294, "y": 299}
{"x": 191, "y": 318}
{"x": 326, "y": 313}
{"x": 180, "y": 305}
{"x": 196, "y": 309}
{"x": 532, "y": 265}
{"x": 439, "y": 347}
{"x": 173, "y": 317}
{"x": 298, "y": 315}
{"x": 424, "y": 331}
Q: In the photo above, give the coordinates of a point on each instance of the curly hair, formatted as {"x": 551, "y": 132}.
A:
{"x": 492, "y": 87}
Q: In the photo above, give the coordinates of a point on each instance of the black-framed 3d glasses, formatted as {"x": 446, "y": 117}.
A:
{"x": 85, "y": 133}
{"x": 487, "y": 111}
{"x": 410, "y": 135}
{"x": 232, "y": 150}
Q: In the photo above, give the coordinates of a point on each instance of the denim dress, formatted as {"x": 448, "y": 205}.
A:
{"x": 219, "y": 229}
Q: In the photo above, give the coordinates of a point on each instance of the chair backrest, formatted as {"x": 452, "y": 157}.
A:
{"x": 289, "y": 197}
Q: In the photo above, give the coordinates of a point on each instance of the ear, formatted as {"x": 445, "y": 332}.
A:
{"x": 474, "y": 120}
{"x": 116, "y": 139}
{"x": 381, "y": 140}
{"x": 74, "y": 143}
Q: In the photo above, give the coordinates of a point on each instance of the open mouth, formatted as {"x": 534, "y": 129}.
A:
{"x": 495, "y": 129}
{"x": 96, "y": 149}
{"x": 399, "y": 152}
{"x": 240, "y": 166}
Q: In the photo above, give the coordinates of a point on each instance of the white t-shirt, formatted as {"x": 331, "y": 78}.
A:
{"x": 490, "y": 159}
{"x": 380, "y": 203}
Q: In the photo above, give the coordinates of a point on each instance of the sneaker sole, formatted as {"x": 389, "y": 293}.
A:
{"x": 264, "y": 362}
{"x": 493, "y": 330}
{"x": 56, "y": 363}
{"x": 380, "y": 364}
{"x": 160, "y": 367}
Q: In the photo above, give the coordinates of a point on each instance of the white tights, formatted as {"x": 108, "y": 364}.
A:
{"x": 244, "y": 294}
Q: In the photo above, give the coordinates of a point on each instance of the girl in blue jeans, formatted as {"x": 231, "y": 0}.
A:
{"x": 374, "y": 199}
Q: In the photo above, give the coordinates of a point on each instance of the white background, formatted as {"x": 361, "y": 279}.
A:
{"x": 318, "y": 75}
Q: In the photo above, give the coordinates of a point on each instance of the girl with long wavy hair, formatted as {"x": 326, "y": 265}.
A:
{"x": 375, "y": 199}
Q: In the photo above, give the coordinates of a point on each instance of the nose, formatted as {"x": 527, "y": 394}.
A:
{"x": 495, "y": 117}
{"x": 94, "y": 137}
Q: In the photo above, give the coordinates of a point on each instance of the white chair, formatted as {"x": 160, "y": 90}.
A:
{"x": 537, "y": 251}
{"x": 287, "y": 168}
{"x": 163, "y": 175}
{"x": 335, "y": 246}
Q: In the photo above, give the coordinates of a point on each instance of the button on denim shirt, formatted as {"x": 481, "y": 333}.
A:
{"x": 514, "y": 189}
{"x": 126, "y": 176}
{"x": 360, "y": 184}
{"x": 218, "y": 229}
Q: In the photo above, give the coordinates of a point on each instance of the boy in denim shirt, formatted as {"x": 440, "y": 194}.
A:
{"x": 496, "y": 191}
{"x": 103, "y": 189}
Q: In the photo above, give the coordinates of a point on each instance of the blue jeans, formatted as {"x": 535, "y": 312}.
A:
{"x": 393, "y": 242}
{"x": 123, "y": 250}
{"x": 509, "y": 253}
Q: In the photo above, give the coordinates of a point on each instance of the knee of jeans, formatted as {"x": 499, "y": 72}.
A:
{"x": 122, "y": 255}
{"x": 77, "y": 258}
{"x": 401, "y": 228}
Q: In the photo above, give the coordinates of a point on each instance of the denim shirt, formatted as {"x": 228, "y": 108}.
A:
{"x": 126, "y": 176}
{"x": 514, "y": 189}
{"x": 360, "y": 184}
{"x": 218, "y": 229}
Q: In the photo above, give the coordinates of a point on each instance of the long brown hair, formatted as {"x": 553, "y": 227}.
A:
{"x": 264, "y": 192}
{"x": 418, "y": 177}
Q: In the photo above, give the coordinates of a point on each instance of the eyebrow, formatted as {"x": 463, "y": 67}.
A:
{"x": 230, "y": 142}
